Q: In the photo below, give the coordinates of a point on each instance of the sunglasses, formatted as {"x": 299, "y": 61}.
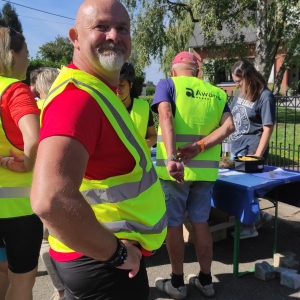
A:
{"x": 12, "y": 32}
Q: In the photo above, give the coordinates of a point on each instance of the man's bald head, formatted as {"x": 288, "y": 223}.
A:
{"x": 89, "y": 8}
{"x": 101, "y": 37}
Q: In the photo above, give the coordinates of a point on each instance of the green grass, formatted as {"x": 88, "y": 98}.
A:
{"x": 287, "y": 129}
{"x": 287, "y": 133}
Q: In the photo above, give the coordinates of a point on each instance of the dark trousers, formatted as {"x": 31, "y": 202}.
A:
{"x": 86, "y": 278}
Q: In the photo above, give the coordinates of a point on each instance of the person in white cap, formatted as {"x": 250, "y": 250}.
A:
{"x": 194, "y": 120}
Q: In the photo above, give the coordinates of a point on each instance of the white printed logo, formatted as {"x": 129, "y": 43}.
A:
{"x": 241, "y": 122}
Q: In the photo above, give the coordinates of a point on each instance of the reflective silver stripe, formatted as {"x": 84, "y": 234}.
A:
{"x": 126, "y": 190}
{"x": 120, "y": 192}
{"x": 193, "y": 163}
{"x": 184, "y": 138}
{"x": 57, "y": 87}
{"x": 15, "y": 192}
{"x": 131, "y": 226}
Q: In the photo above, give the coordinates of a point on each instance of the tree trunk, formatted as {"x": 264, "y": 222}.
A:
{"x": 268, "y": 37}
{"x": 291, "y": 46}
{"x": 279, "y": 76}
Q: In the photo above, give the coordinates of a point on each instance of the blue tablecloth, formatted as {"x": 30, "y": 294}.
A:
{"x": 235, "y": 192}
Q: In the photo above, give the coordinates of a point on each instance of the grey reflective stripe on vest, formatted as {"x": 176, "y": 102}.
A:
{"x": 126, "y": 190}
{"x": 193, "y": 163}
{"x": 15, "y": 192}
{"x": 187, "y": 138}
{"x": 131, "y": 226}
{"x": 120, "y": 192}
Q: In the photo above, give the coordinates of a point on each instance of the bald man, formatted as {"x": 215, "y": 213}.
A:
{"x": 194, "y": 119}
{"x": 94, "y": 186}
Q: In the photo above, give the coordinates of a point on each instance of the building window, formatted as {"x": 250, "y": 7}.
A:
{"x": 223, "y": 75}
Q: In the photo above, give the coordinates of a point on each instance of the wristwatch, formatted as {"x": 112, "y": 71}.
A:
{"x": 173, "y": 158}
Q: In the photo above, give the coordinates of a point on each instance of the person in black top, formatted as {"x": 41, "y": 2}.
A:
{"x": 138, "y": 109}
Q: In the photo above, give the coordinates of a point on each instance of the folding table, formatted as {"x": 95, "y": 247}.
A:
{"x": 235, "y": 192}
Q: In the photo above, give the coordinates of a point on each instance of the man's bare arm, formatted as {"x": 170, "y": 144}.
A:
{"x": 189, "y": 151}
{"x": 218, "y": 135}
{"x": 55, "y": 198}
{"x": 151, "y": 136}
{"x": 166, "y": 122}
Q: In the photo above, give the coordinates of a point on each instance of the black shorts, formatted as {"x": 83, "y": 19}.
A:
{"x": 86, "y": 278}
{"x": 22, "y": 237}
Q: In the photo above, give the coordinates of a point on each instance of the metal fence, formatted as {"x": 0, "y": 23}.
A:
{"x": 285, "y": 141}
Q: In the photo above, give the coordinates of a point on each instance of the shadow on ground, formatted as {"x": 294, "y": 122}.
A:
{"x": 251, "y": 251}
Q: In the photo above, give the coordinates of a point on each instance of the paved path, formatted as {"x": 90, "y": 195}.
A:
{"x": 251, "y": 250}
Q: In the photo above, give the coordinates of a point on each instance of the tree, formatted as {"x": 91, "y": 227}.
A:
{"x": 36, "y": 63}
{"x": 52, "y": 54}
{"x": 139, "y": 74}
{"x": 9, "y": 17}
{"x": 161, "y": 28}
{"x": 60, "y": 50}
{"x": 150, "y": 83}
{"x": 2, "y": 23}
{"x": 291, "y": 40}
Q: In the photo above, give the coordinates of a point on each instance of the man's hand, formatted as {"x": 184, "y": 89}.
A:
{"x": 134, "y": 256}
{"x": 15, "y": 162}
{"x": 189, "y": 151}
{"x": 176, "y": 170}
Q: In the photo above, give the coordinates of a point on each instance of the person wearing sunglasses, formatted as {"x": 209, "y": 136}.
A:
{"x": 21, "y": 231}
{"x": 253, "y": 110}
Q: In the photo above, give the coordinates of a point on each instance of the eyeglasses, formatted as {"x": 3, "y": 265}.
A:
{"x": 237, "y": 81}
{"x": 12, "y": 32}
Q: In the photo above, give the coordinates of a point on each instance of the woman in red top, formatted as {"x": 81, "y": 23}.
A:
{"x": 20, "y": 230}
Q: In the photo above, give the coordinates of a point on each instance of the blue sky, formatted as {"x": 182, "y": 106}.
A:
{"x": 40, "y": 28}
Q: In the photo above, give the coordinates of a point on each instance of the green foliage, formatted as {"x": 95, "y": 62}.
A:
{"x": 60, "y": 50}
{"x": 162, "y": 28}
{"x": 285, "y": 134}
{"x": 38, "y": 62}
{"x": 52, "y": 54}
{"x": 149, "y": 99}
{"x": 150, "y": 91}
{"x": 2, "y": 23}
{"x": 139, "y": 74}
{"x": 9, "y": 17}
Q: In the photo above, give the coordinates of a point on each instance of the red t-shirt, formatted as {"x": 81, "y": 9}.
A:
{"x": 16, "y": 102}
{"x": 74, "y": 113}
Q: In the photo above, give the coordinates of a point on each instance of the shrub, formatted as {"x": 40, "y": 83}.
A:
{"x": 149, "y": 99}
{"x": 150, "y": 91}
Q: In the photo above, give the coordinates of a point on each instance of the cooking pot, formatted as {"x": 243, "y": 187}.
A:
{"x": 249, "y": 166}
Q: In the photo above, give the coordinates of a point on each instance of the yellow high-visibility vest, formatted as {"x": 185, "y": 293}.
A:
{"x": 199, "y": 108}
{"x": 14, "y": 187}
{"x": 132, "y": 205}
{"x": 140, "y": 115}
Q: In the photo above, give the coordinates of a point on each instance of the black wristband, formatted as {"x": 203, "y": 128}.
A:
{"x": 119, "y": 257}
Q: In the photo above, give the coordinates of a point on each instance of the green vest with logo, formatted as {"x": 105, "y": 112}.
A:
{"x": 140, "y": 115}
{"x": 14, "y": 187}
{"x": 199, "y": 108}
{"x": 132, "y": 205}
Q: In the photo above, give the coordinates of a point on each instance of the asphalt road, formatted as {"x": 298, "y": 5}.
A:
{"x": 227, "y": 288}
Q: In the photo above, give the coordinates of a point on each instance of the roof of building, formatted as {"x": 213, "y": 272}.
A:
{"x": 198, "y": 40}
